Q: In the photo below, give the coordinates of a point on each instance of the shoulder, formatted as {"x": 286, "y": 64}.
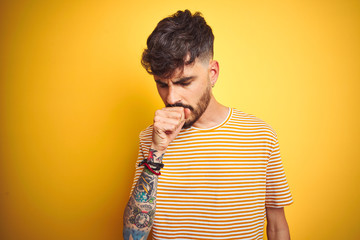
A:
{"x": 145, "y": 138}
{"x": 240, "y": 119}
{"x": 146, "y": 134}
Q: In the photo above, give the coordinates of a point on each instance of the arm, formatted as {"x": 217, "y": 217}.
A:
{"x": 277, "y": 227}
{"x": 140, "y": 210}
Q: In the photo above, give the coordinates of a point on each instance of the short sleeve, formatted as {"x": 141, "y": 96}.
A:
{"x": 277, "y": 189}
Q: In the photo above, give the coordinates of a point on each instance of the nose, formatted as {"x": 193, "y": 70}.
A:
{"x": 172, "y": 96}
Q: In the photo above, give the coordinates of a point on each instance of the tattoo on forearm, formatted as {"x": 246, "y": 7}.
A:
{"x": 140, "y": 211}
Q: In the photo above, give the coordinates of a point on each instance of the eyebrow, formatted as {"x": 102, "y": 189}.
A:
{"x": 178, "y": 81}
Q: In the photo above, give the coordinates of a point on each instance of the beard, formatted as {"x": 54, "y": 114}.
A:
{"x": 196, "y": 112}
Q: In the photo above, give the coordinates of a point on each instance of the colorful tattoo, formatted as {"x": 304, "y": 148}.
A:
{"x": 153, "y": 158}
{"x": 136, "y": 234}
{"x": 140, "y": 211}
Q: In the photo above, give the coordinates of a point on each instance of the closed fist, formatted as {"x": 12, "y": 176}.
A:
{"x": 167, "y": 125}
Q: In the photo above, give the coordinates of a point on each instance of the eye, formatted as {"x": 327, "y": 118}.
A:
{"x": 185, "y": 83}
{"x": 162, "y": 85}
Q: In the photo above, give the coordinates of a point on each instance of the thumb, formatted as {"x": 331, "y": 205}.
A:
{"x": 187, "y": 113}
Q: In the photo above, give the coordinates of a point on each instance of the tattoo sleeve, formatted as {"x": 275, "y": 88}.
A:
{"x": 140, "y": 210}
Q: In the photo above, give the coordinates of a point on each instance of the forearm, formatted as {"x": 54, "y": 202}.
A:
{"x": 278, "y": 234}
{"x": 140, "y": 211}
{"x": 277, "y": 227}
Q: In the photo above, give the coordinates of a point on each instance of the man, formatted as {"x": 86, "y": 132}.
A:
{"x": 205, "y": 171}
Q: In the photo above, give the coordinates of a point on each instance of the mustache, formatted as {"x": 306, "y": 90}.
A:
{"x": 180, "y": 105}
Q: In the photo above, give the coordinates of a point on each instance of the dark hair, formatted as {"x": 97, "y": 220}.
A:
{"x": 177, "y": 41}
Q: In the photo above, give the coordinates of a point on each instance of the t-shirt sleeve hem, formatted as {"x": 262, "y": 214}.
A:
{"x": 279, "y": 205}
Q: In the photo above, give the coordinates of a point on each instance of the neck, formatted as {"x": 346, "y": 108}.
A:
{"x": 214, "y": 114}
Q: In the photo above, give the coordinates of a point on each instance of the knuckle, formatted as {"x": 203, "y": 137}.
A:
{"x": 177, "y": 115}
{"x": 156, "y": 125}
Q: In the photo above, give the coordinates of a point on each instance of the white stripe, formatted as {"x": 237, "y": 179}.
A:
{"x": 166, "y": 198}
{"x": 198, "y": 204}
{"x": 207, "y": 223}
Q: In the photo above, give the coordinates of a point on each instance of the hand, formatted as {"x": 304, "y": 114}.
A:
{"x": 167, "y": 125}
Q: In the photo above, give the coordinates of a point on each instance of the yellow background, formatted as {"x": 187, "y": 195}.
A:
{"x": 74, "y": 97}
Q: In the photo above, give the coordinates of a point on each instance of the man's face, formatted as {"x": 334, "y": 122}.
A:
{"x": 190, "y": 89}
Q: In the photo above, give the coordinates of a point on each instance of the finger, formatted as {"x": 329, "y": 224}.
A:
{"x": 170, "y": 113}
{"x": 165, "y": 127}
{"x": 177, "y": 123}
{"x": 167, "y": 120}
{"x": 173, "y": 109}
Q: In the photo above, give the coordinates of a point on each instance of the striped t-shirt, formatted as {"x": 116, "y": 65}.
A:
{"x": 217, "y": 182}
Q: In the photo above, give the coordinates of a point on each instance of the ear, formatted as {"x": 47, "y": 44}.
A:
{"x": 213, "y": 71}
